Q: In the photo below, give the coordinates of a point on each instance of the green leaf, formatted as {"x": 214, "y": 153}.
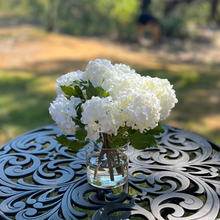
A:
{"x": 118, "y": 142}
{"x": 81, "y": 134}
{"x": 131, "y": 131}
{"x": 82, "y": 84}
{"x": 95, "y": 91}
{"x": 79, "y": 92}
{"x": 151, "y": 141}
{"x": 79, "y": 112}
{"x": 71, "y": 144}
{"x": 84, "y": 143}
{"x": 99, "y": 140}
{"x": 142, "y": 140}
{"x": 157, "y": 130}
{"x": 69, "y": 91}
{"x": 78, "y": 122}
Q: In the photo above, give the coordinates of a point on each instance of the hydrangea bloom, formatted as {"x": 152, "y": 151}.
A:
{"x": 133, "y": 100}
{"x": 67, "y": 79}
{"x": 99, "y": 70}
{"x": 122, "y": 69}
{"x": 101, "y": 115}
{"x": 62, "y": 111}
{"x": 164, "y": 92}
{"x": 121, "y": 83}
{"x": 140, "y": 109}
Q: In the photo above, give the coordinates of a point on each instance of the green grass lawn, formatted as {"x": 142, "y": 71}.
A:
{"x": 24, "y": 102}
{"x": 26, "y": 96}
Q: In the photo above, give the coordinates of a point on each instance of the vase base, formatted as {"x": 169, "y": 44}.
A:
{"x": 103, "y": 180}
{"x": 107, "y": 168}
{"x": 104, "y": 185}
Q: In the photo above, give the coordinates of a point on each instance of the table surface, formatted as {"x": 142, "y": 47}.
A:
{"x": 40, "y": 179}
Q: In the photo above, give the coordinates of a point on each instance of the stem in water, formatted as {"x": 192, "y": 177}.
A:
{"x": 110, "y": 158}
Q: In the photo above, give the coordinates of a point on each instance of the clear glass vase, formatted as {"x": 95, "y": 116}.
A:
{"x": 107, "y": 167}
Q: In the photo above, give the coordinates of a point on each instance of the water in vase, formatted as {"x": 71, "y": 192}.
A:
{"x": 98, "y": 174}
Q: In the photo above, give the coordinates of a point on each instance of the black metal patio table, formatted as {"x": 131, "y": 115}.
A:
{"x": 40, "y": 179}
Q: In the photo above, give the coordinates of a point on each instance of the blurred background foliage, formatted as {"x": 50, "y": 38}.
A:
{"x": 108, "y": 17}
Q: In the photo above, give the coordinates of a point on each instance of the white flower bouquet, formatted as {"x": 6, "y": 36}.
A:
{"x": 111, "y": 104}
{"x": 113, "y": 100}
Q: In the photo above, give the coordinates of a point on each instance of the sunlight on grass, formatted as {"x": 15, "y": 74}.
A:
{"x": 10, "y": 76}
{"x": 186, "y": 77}
{"x": 24, "y": 102}
{"x": 6, "y": 101}
{"x": 44, "y": 84}
{"x": 218, "y": 83}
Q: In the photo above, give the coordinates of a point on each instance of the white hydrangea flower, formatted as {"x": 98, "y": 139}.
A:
{"x": 141, "y": 109}
{"x": 121, "y": 83}
{"x": 67, "y": 79}
{"x": 62, "y": 111}
{"x": 92, "y": 134}
{"x": 122, "y": 69}
{"x": 125, "y": 76}
{"x": 164, "y": 92}
{"x": 101, "y": 115}
{"x": 99, "y": 70}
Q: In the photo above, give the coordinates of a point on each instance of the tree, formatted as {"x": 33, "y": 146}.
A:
{"x": 55, "y": 10}
{"x": 171, "y": 5}
{"x": 214, "y": 14}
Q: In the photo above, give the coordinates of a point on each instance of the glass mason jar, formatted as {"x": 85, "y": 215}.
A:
{"x": 107, "y": 167}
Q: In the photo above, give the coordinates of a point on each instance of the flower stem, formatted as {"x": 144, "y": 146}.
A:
{"x": 105, "y": 144}
{"x": 119, "y": 163}
{"x": 120, "y": 134}
{"x": 123, "y": 130}
{"x": 112, "y": 155}
{"x": 109, "y": 158}
{"x": 111, "y": 171}
{"x": 108, "y": 154}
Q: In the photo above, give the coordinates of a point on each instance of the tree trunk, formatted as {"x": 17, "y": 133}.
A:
{"x": 214, "y": 11}
{"x": 55, "y": 11}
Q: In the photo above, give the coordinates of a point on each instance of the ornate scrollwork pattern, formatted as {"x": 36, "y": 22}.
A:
{"x": 40, "y": 179}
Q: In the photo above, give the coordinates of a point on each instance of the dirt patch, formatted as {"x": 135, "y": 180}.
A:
{"x": 30, "y": 49}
